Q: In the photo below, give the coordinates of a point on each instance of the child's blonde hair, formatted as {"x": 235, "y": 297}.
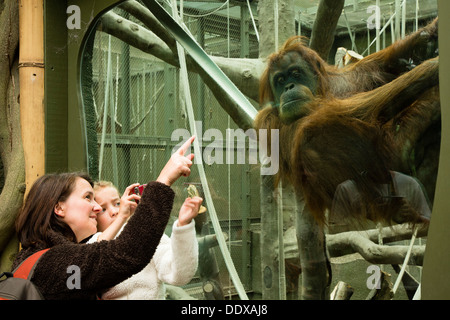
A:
{"x": 104, "y": 184}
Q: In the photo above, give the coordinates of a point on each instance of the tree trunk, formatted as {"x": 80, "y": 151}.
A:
{"x": 278, "y": 26}
{"x": 270, "y": 245}
{"x": 322, "y": 36}
{"x": 315, "y": 267}
{"x": 11, "y": 152}
{"x": 276, "y": 29}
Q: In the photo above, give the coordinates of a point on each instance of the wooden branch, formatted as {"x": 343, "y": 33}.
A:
{"x": 137, "y": 37}
{"x": 342, "y": 291}
{"x": 364, "y": 242}
{"x": 244, "y": 73}
{"x": 381, "y": 254}
{"x": 323, "y": 31}
{"x": 385, "y": 292}
{"x": 150, "y": 21}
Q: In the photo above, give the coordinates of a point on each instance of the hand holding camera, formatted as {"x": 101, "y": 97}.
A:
{"x": 129, "y": 200}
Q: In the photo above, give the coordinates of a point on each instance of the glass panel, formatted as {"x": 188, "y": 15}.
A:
{"x": 140, "y": 117}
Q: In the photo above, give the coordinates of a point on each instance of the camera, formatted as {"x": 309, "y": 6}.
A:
{"x": 139, "y": 190}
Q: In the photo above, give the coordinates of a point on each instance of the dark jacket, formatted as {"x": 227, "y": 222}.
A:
{"x": 103, "y": 264}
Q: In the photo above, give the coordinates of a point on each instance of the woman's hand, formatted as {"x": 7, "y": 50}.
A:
{"x": 178, "y": 165}
{"x": 189, "y": 210}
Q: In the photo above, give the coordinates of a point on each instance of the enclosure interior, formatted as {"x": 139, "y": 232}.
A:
{"x": 138, "y": 103}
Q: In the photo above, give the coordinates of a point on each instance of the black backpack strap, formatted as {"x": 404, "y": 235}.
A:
{"x": 26, "y": 268}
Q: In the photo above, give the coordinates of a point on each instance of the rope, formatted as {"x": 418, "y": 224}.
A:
{"x": 205, "y": 14}
{"x": 275, "y": 19}
{"x": 281, "y": 262}
{"x": 380, "y": 240}
{"x": 253, "y": 20}
{"x": 408, "y": 254}
{"x": 349, "y": 31}
{"x": 213, "y": 215}
{"x": 105, "y": 107}
{"x": 229, "y": 162}
{"x": 383, "y": 29}
{"x": 418, "y": 294}
{"x": 381, "y": 32}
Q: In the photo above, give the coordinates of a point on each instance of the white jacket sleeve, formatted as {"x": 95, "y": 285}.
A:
{"x": 176, "y": 258}
{"x": 94, "y": 238}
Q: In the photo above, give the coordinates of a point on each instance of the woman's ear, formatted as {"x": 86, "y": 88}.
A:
{"x": 59, "y": 209}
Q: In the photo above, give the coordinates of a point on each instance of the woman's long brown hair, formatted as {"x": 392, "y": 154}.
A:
{"x": 36, "y": 220}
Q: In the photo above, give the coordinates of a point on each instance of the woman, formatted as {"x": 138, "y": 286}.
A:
{"x": 60, "y": 213}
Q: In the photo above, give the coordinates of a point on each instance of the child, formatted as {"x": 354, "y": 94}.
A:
{"x": 176, "y": 258}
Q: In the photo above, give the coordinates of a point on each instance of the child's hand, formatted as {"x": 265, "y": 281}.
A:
{"x": 127, "y": 205}
{"x": 189, "y": 210}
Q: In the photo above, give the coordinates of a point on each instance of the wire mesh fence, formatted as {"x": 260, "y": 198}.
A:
{"x": 141, "y": 118}
{"x": 139, "y": 108}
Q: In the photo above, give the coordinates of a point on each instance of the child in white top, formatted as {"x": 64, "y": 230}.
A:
{"x": 175, "y": 260}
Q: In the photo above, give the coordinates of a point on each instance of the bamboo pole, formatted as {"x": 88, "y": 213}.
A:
{"x": 31, "y": 74}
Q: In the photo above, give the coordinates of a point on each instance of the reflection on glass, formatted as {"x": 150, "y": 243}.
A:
{"x": 404, "y": 197}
